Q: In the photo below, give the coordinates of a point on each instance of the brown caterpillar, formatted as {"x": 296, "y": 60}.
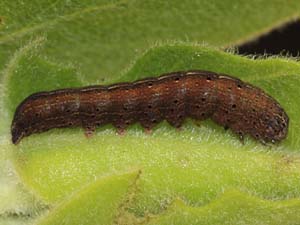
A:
{"x": 228, "y": 101}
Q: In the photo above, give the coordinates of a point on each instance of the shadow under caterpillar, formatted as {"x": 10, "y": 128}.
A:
{"x": 228, "y": 101}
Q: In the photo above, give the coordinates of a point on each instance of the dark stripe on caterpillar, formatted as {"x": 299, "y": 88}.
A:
{"x": 228, "y": 101}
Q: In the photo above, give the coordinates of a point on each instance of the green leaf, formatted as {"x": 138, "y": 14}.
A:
{"x": 195, "y": 164}
{"x": 18, "y": 206}
{"x": 98, "y": 203}
{"x": 101, "y": 38}
{"x": 232, "y": 208}
{"x": 49, "y": 44}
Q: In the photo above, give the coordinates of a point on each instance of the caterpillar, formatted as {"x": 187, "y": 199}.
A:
{"x": 228, "y": 101}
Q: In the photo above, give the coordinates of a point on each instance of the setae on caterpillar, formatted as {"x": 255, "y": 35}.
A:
{"x": 228, "y": 101}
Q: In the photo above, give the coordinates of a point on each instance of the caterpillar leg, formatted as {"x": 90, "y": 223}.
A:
{"x": 175, "y": 115}
{"x": 179, "y": 129}
{"x": 240, "y": 134}
{"x": 197, "y": 123}
{"x": 121, "y": 126}
{"x": 148, "y": 131}
{"x": 241, "y": 137}
{"x": 89, "y": 131}
{"x": 121, "y": 131}
{"x": 148, "y": 126}
{"x": 176, "y": 122}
